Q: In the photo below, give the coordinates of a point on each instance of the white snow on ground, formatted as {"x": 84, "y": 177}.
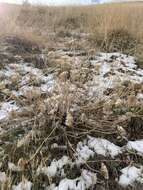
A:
{"x": 56, "y": 167}
{"x": 103, "y": 147}
{"x": 104, "y": 68}
{"x": 49, "y": 84}
{"x": 23, "y": 75}
{"x": 92, "y": 146}
{"x": 83, "y": 153}
{"x": 86, "y": 150}
{"x": 24, "y": 185}
{"x": 112, "y": 69}
{"x": 109, "y": 70}
{"x": 27, "y": 72}
{"x": 23, "y": 68}
{"x": 131, "y": 174}
{"x": 128, "y": 60}
{"x": 6, "y": 108}
{"x": 135, "y": 146}
{"x": 140, "y": 96}
{"x": 85, "y": 181}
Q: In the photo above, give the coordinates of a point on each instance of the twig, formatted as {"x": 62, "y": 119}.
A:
{"x": 40, "y": 147}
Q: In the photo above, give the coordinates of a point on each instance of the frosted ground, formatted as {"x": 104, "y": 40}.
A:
{"x": 67, "y": 120}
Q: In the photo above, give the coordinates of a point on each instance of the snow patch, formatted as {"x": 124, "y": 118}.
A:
{"x": 140, "y": 96}
{"x": 103, "y": 147}
{"x": 105, "y": 68}
{"x": 6, "y": 108}
{"x": 136, "y": 146}
{"x": 56, "y": 167}
{"x": 85, "y": 181}
{"x": 110, "y": 70}
{"x": 131, "y": 174}
{"x": 83, "y": 153}
{"x": 24, "y": 185}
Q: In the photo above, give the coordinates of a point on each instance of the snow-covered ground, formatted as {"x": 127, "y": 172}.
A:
{"x": 84, "y": 151}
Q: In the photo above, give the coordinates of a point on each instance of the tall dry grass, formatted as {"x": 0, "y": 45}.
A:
{"x": 112, "y": 27}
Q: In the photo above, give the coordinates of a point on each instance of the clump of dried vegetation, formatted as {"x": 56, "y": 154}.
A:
{"x": 109, "y": 28}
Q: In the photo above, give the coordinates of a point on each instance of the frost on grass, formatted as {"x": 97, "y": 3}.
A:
{"x": 84, "y": 182}
{"x": 130, "y": 175}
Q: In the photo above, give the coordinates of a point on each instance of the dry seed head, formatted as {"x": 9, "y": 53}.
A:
{"x": 118, "y": 103}
{"x": 83, "y": 118}
{"x": 13, "y": 114}
{"x": 2, "y": 85}
{"x": 137, "y": 86}
{"x": 25, "y": 140}
{"x": 69, "y": 120}
{"x": 22, "y": 164}
{"x": 41, "y": 107}
{"x": 121, "y": 131}
{"x": 132, "y": 101}
{"x": 75, "y": 75}
{"x": 15, "y": 77}
{"x": 63, "y": 76}
{"x": 104, "y": 171}
{"x": 97, "y": 67}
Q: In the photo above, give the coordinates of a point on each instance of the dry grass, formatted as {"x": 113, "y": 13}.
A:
{"x": 112, "y": 27}
{"x": 101, "y": 19}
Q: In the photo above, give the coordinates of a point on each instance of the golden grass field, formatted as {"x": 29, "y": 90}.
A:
{"x": 112, "y": 27}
